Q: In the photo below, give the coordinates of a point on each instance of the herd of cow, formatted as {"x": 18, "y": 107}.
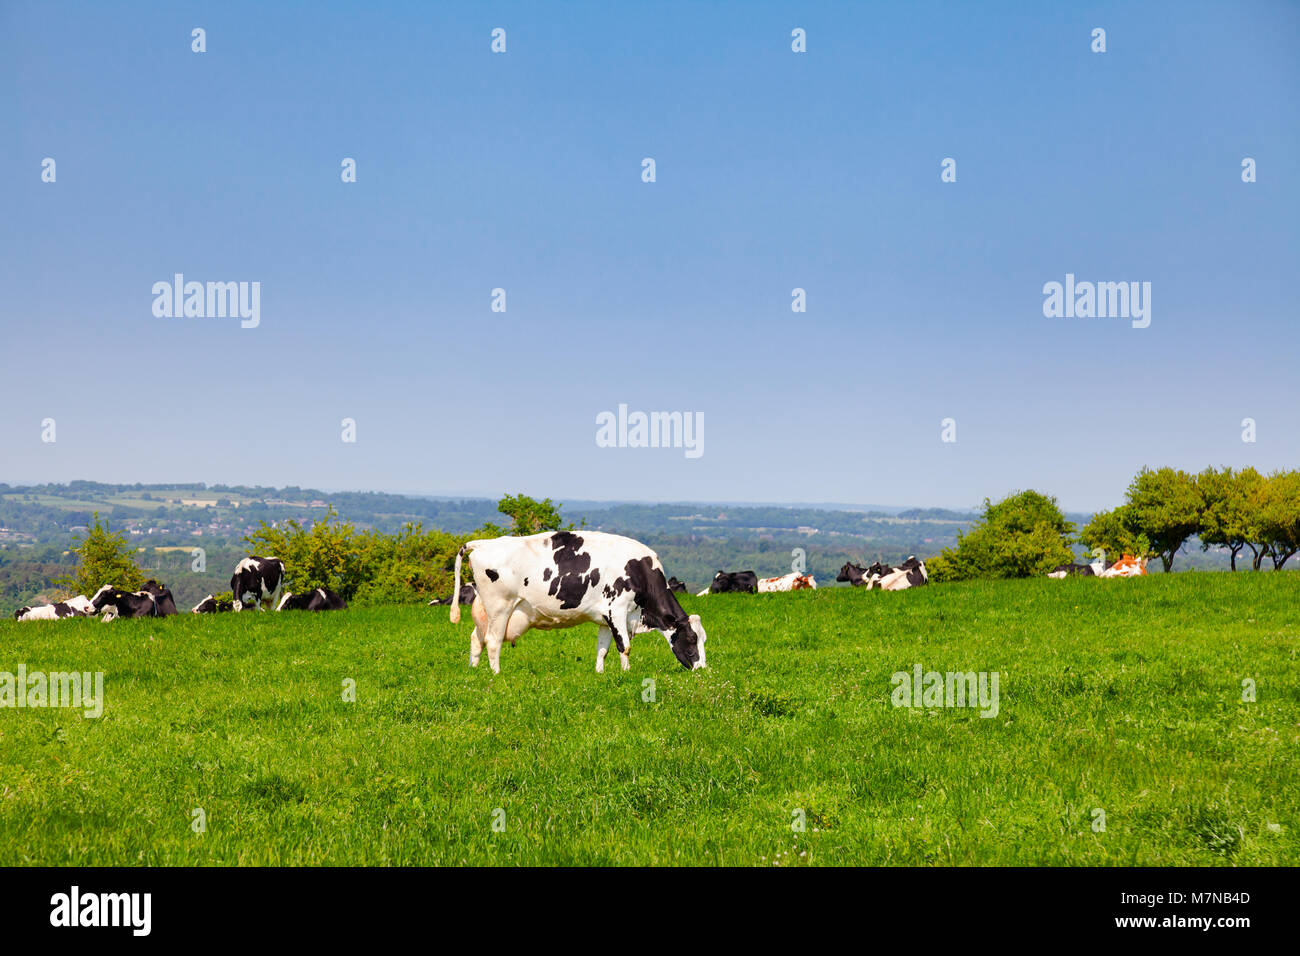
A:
{"x": 547, "y": 581}
{"x": 255, "y": 580}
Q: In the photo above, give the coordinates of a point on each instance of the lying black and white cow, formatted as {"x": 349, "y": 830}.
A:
{"x": 676, "y": 586}
{"x": 210, "y": 605}
{"x": 111, "y": 602}
{"x": 256, "y": 580}
{"x": 1083, "y": 570}
{"x": 161, "y": 597}
{"x": 467, "y": 593}
{"x": 910, "y": 574}
{"x": 79, "y": 606}
{"x": 853, "y": 574}
{"x": 744, "y": 582}
{"x": 557, "y": 579}
{"x": 321, "y": 599}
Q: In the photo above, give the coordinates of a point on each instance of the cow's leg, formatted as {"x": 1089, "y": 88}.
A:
{"x": 478, "y": 613}
{"x": 604, "y": 637}
{"x": 625, "y": 645}
{"x": 475, "y": 647}
{"x": 498, "y": 625}
{"x": 620, "y": 627}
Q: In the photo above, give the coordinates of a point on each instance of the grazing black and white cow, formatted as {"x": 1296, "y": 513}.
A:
{"x": 676, "y": 586}
{"x": 910, "y": 574}
{"x": 744, "y": 582}
{"x": 467, "y": 594}
{"x": 321, "y": 599}
{"x": 256, "y": 580}
{"x": 558, "y": 579}
{"x": 111, "y": 602}
{"x": 161, "y": 597}
{"x": 210, "y": 605}
{"x": 79, "y": 606}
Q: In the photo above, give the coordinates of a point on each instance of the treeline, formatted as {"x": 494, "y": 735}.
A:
{"x": 1237, "y": 510}
{"x": 1026, "y": 534}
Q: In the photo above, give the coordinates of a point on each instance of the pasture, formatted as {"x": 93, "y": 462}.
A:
{"x": 1124, "y": 696}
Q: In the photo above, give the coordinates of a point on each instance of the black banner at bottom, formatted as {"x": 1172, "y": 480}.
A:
{"x": 334, "y": 905}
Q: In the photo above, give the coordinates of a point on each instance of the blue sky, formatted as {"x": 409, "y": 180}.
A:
{"x": 775, "y": 170}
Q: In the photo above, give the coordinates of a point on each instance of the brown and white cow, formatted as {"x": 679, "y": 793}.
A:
{"x": 787, "y": 582}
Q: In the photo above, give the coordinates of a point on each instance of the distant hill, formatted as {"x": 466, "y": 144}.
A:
{"x": 38, "y": 523}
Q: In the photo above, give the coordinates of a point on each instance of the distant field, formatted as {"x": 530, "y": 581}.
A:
{"x": 1120, "y": 695}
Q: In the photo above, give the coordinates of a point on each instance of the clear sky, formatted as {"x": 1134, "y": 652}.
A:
{"x": 774, "y": 170}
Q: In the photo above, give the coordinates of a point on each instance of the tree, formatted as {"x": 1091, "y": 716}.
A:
{"x": 1023, "y": 535}
{"x": 1164, "y": 505}
{"x": 1230, "y": 513}
{"x": 527, "y": 516}
{"x": 105, "y": 557}
{"x": 1278, "y": 499}
{"x": 1109, "y": 533}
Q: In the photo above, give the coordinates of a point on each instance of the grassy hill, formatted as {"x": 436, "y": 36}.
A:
{"x": 1123, "y": 696}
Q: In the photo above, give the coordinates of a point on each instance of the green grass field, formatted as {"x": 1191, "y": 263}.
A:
{"x": 1121, "y": 695}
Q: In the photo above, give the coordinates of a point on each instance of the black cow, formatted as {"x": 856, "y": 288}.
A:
{"x": 853, "y": 574}
{"x": 744, "y": 582}
{"x": 467, "y": 593}
{"x": 321, "y": 599}
{"x": 255, "y": 580}
{"x": 113, "y": 602}
{"x": 676, "y": 586}
{"x": 559, "y": 579}
{"x": 161, "y": 597}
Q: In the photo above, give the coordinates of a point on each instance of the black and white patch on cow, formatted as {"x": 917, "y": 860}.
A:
{"x": 560, "y": 579}
{"x": 161, "y": 597}
{"x": 256, "y": 580}
{"x": 110, "y": 602}
{"x": 210, "y": 605}
{"x": 321, "y": 599}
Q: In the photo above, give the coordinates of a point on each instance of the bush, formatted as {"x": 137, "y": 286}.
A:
{"x": 1021, "y": 536}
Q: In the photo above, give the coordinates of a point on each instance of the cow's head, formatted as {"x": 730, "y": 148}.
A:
{"x": 104, "y": 596}
{"x": 849, "y": 572}
{"x": 688, "y": 643}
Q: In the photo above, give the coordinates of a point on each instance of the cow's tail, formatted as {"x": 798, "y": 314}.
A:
{"x": 455, "y": 591}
